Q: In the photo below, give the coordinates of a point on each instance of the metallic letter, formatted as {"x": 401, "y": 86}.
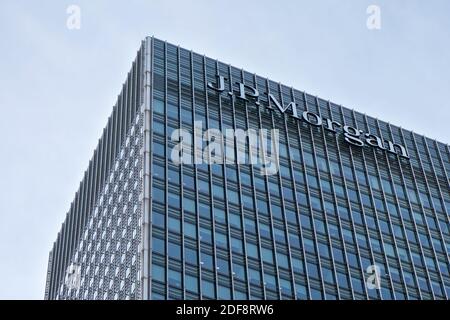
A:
{"x": 374, "y": 141}
{"x": 221, "y": 84}
{"x": 330, "y": 125}
{"x": 306, "y": 115}
{"x": 392, "y": 148}
{"x": 242, "y": 94}
{"x": 351, "y": 135}
{"x": 282, "y": 109}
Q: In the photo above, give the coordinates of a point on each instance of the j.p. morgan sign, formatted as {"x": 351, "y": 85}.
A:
{"x": 352, "y": 135}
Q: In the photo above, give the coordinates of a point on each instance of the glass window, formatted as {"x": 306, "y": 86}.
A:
{"x": 174, "y": 200}
{"x": 233, "y": 196}
{"x": 158, "y": 220}
{"x": 361, "y": 177}
{"x": 379, "y": 205}
{"x": 158, "y": 245}
{"x": 343, "y": 212}
{"x": 205, "y": 235}
{"x": 204, "y": 210}
{"x": 282, "y": 260}
{"x": 158, "y": 171}
{"x": 334, "y": 231}
{"x": 219, "y": 215}
{"x": 264, "y": 230}
{"x": 276, "y": 211}
{"x": 312, "y": 181}
{"x": 221, "y": 240}
{"x": 348, "y": 173}
{"x": 239, "y": 295}
{"x": 158, "y": 149}
{"x": 309, "y": 245}
{"x": 158, "y": 273}
{"x": 338, "y": 255}
{"x": 412, "y": 195}
{"x": 236, "y": 245}
{"x": 297, "y": 265}
{"x": 174, "y": 176}
{"x": 326, "y": 185}
{"x": 174, "y": 250}
{"x": 218, "y": 191}
{"x": 159, "y": 194}
{"x": 172, "y": 111}
{"x": 255, "y": 276}
{"x": 316, "y": 294}
{"x": 223, "y": 266}
{"x": 189, "y": 205}
{"x": 322, "y": 164}
{"x": 191, "y": 256}
{"x": 352, "y": 260}
{"x": 174, "y": 224}
{"x": 175, "y": 278}
{"x": 342, "y": 280}
{"x": 208, "y": 289}
{"x": 300, "y": 289}
{"x": 357, "y": 286}
{"x": 374, "y": 182}
{"x": 188, "y": 182}
{"x": 353, "y": 195}
{"x": 252, "y": 250}
{"x": 335, "y": 170}
{"x": 357, "y": 217}
{"x": 270, "y": 282}
{"x": 203, "y": 186}
{"x": 206, "y": 260}
{"x": 239, "y": 271}
{"x": 305, "y": 221}
{"x": 392, "y": 209}
{"x": 235, "y": 220}
{"x": 339, "y": 190}
{"x": 191, "y": 283}
{"x": 250, "y": 225}
{"x": 224, "y": 293}
{"x": 366, "y": 200}
{"x": 405, "y": 213}
{"x": 248, "y": 201}
{"x": 158, "y": 106}
{"x": 327, "y": 275}
{"x": 312, "y": 270}
{"x": 324, "y": 251}
{"x": 190, "y": 230}
{"x": 262, "y": 206}
{"x": 309, "y": 160}
{"x": 186, "y": 116}
{"x": 158, "y": 127}
{"x": 267, "y": 255}
{"x": 400, "y": 191}
{"x": 279, "y": 235}
{"x": 387, "y": 186}
{"x": 316, "y": 204}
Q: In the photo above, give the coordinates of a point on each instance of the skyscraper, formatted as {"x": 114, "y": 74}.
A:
{"x": 356, "y": 208}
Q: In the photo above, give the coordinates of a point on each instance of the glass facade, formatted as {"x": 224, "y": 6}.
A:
{"x": 313, "y": 230}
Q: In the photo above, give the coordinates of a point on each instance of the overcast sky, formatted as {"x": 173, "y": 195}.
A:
{"x": 58, "y": 86}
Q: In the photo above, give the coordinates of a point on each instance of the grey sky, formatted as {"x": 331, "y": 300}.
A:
{"x": 58, "y": 86}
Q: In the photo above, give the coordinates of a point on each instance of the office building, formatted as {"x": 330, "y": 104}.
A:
{"x": 357, "y": 208}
